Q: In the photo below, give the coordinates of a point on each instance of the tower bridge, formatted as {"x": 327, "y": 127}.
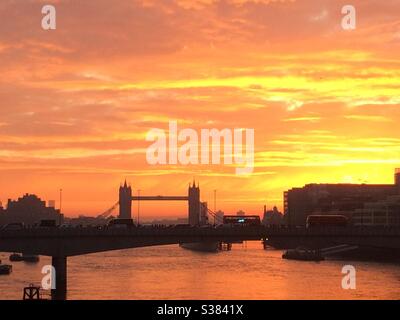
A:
{"x": 195, "y": 214}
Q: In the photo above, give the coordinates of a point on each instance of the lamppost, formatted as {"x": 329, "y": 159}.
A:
{"x": 138, "y": 207}
{"x": 59, "y": 218}
{"x": 60, "y": 200}
{"x": 215, "y": 200}
{"x": 215, "y": 204}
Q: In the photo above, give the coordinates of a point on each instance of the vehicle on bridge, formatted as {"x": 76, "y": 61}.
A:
{"x": 66, "y": 226}
{"x": 327, "y": 221}
{"x": 121, "y": 223}
{"x": 245, "y": 221}
{"x": 182, "y": 226}
{"x": 48, "y": 224}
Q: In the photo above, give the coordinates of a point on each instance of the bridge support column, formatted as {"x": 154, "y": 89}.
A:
{"x": 60, "y": 266}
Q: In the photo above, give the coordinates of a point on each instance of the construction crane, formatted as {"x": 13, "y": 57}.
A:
{"x": 106, "y": 214}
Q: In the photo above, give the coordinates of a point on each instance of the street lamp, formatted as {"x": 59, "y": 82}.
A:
{"x": 60, "y": 200}
{"x": 138, "y": 207}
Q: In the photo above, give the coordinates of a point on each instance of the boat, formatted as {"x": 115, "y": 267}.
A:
{"x": 5, "y": 268}
{"x": 30, "y": 258}
{"x": 15, "y": 257}
{"x": 206, "y": 246}
{"x": 303, "y": 254}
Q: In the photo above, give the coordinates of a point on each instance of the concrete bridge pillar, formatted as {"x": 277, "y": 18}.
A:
{"x": 60, "y": 266}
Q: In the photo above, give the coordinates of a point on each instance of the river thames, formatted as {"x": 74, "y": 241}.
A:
{"x": 170, "y": 272}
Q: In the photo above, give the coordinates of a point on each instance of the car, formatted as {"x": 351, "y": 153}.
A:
{"x": 182, "y": 226}
{"x": 48, "y": 224}
{"x": 121, "y": 223}
{"x": 66, "y": 226}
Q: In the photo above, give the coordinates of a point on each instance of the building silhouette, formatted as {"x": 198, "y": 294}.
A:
{"x": 383, "y": 213}
{"x": 219, "y": 217}
{"x": 397, "y": 177}
{"x": 343, "y": 199}
{"x": 29, "y": 209}
{"x": 272, "y": 217}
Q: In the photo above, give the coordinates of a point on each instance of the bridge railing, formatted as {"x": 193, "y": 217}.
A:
{"x": 163, "y": 230}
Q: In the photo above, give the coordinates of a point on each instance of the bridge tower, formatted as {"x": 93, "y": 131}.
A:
{"x": 125, "y": 202}
{"x": 194, "y": 204}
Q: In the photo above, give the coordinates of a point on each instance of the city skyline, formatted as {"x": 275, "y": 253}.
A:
{"x": 132, "y": 208}
{"x": 78, "y": 101}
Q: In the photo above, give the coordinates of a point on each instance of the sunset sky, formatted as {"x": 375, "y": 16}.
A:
{"x": 76, "y": 102}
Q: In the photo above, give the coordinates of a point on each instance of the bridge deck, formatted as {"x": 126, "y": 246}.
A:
{"x": 59, "y": 243}
{"x": 75, "y": 241}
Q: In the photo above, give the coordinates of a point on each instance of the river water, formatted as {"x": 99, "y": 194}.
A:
{"x": 170, "y": 272}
